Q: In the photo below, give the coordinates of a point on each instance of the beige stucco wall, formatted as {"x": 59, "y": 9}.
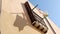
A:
{"x": 19, "y": 24}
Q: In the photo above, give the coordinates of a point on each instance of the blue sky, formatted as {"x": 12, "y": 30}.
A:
{"x": 52, "y": 7}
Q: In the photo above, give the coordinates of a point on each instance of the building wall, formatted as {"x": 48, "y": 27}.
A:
{"x": 0, "y": 5}
{"x": 12, "y": 23}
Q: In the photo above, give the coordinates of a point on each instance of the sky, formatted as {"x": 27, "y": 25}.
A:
{"x": 52, "y": 7}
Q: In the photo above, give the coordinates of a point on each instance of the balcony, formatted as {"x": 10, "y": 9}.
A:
{"x": 36, "y": 20}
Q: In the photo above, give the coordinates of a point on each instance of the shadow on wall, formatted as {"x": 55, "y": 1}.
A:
{"x": 22, "y": 22}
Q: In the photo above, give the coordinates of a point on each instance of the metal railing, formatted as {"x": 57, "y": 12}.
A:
{"x": 36, "y": 20}
{"x": 39, "y": 19}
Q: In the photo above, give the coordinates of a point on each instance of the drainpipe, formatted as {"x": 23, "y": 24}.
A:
{"x": 49, "y": 24}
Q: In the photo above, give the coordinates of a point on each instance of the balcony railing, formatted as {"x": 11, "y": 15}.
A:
{"x": 36, "y": 20}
